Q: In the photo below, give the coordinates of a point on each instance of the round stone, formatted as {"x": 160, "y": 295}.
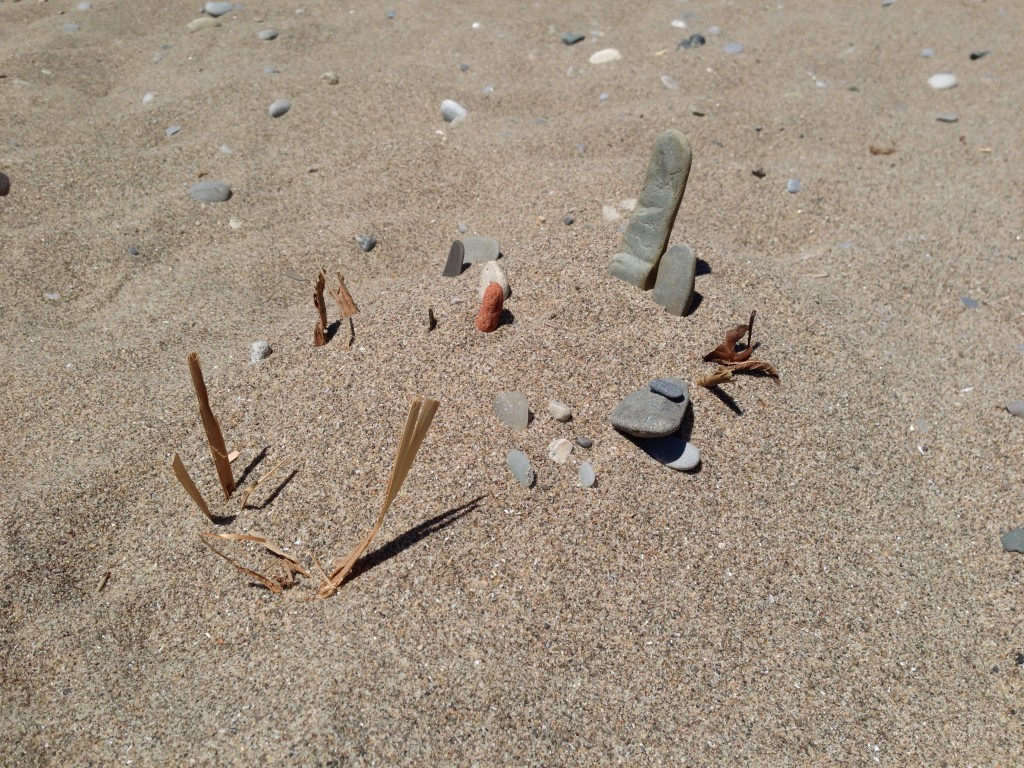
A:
{"x": 366, "y": 243}
{"x": 279, "y": 107}
{"x": 943, "y": 81}
{"x": 260, "y": 350}
{"x": 268, "y": 34}
{"x": 605, "y": 56}
{"x": 559, "y": 411}
{"x": 559, "y": 450}
{"x": 587, "y": 476}
{"x": 5, "y": 184}
{"x": 218, "y": 9}
{"x": 453, "y": 112}
{"x": 210, "y": 192}
{"x": 673, "y": 389}
{"x": 520, "y": 466}
{"x": 793, "y": 186}
{"x": 646, "y": 414}
{"x": 584, "y": 442}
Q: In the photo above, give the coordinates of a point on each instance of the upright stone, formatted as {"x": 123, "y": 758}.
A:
{"x": 651, "y": 223}
{"x": 673, "y": 288}
{"x": 453, "y": 267}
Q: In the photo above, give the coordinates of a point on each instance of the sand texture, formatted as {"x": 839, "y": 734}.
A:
{"x": 829, "y": 587}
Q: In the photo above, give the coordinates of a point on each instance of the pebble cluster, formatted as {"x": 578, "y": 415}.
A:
{"x": 513, "y": 411}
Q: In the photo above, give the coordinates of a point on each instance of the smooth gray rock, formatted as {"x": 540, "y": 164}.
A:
{"x": 647, "y": 414}
{"x": 210, "y": 192}
{"x": 172, "y": 130}
{"x": 1013, "y": 541}
{"x": 520, "y": 466}
{"x": 512, "y": 410}
{"x": 585, "y": 442}
{"x": 268, "y": 34}
{"x": 673, "y": 389}
{"x": 453, "y": 112}
{"x": 793, "y": 186}
{"x": 1016, "y": 407}
{"x": 279, "y": 107}
{"x": 571, "y": 38}
{"x": 652, "y": 220}
{"x": 366, "y": 243}
{"x": 5, "y": 184}
{"x": 673, "y": 452}
{"x": 677, "y": 273}
{"x": 456, "y": 260}
{"x": 559, "y": 411}
{"x": 260, "y": 350}
{"x": 478, "y": 249}
{"x": 947, "y": 117}
{"x": 218, "y": 9}
{"x": 587, "y": 476}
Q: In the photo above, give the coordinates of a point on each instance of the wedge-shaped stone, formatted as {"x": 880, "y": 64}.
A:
{"x": 673, "y": 288}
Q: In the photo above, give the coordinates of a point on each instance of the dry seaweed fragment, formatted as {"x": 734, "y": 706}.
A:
{"x": 296, "y": 565}
{"x": 178, "y": 467}
{"x": 421, "y": 414}
{"x": 714, "y": 379}
{"x": 755, "y": 366}
{"x": 213, "y": 434}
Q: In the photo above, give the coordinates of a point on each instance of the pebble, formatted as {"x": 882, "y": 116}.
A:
{"x": 647, "y": 414}
{"x": 392, "y": 14}
{"x": 695, "y": 40}
{"x": 669, "y": 82}
{"x": 271, "y": 70}
{"x": 260, "y": 350}
{"x": 520, "y": 466}
{"x": 1013, "y": 541}
{"x": 947, "y": 117}
{"x": 210, "y": 192}
{"x": 493, "y": 273}
{"x": 512, "y": 410}
{"x": 268, "y": 34}
{"x": 559, "y": 411}
{"x": 366, "y": 243}
{"x": 568, "y": 220}
{"x": 71, "y": 27}
{"x": 571, "y": 38}
{"x": 678, "y": 23}
{"x": 605, "y": 56}
{"x": 968, "y": 302}
{"x": 218, "y": 9}
{"x": 673, "y": 452}
{"x": 943, "y": 81}
{"x": 5, "y": 184}
{"x": 584, "y": 442}
{"x": 793, "y": 186}
{"x": 975, "y": 55}
{"x": 675, "y": 281}
{"x": 489, "y": 316}
{"x": 674, "y": 389}
{"x": 456, "y": 260}
{"x": 279, "y": 107}
{"x": 453, "y": 112}
{"x": 733, "y": 48}
{"x": 587, "y": 476}
{"x": 330, "y": 78}
{"x": 171, "y": 130}
{"x": 83, "y": 6}
{"x": 133, "y": 250}
{"x": 203, "y": 22}
{"x": 477, "y": 249}
{"x": 1016, "y": 407}
{"x": 927, "y": 53}
{"x": 559, "y": 450}
{"x": 148, "y": 97}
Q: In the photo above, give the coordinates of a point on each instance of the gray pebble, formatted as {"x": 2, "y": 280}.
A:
{"x": 1016, "y": 407}
{"x": 218, "y": 9}
{"x": 71, "y": 27}
{"x": 928, "y": 53}
{"x": 947, "y": 117}
{"x": 5, "y": 184}
{"x": 520, "y": 466}
{"x": 279, "y": 107}
{"x": 271, "y": 71}
{"x": 172, "y": 130}
{"x": 559, "y": 411}
{"x": 392, "y": 14}
{"x": 733, "y": 48}
{"x": 673, "y": 389}
{"x": 646, "y": 414}
{"x": 695, "y": 40}
{"x": 133, "y": 250}
{"x": 268, "y": 34}
{"x": 571, "y": 38}
{"x": 463, "y": 229}
{"x": 793, "y": 186}
{"x": 975, "y": 55}
{"x": 512, "y": 410}
{"x": 585, "y": 442}
{"x": 673, "y": 452}
{"x": 210, "y": 192}
{"x": 366, "y": 242}
{"x": 1013, "y": 541}
{"x": 83, "y": 6}
{"x": 452, "y": 111}
{"x": 568, "y": 220}
{"x": 260, "y": 350}
{"x": 477, "y": 249}
{"x": 587, "y": 476}
{"x": 456, "y": 260}
{"x": 968, "y": 302}
{"x": 463, "y": 67}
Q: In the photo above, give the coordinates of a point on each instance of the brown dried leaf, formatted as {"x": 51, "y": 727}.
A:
{"x": 881, "y": 150}
{"x": 344, "y": 298}
{"x": 726, "y": 351}
{"x": 258, "y": 540}
{"x": 714, "y": 379}
{"x": 178, "y": 467}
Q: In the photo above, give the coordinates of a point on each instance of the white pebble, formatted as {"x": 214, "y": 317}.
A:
{"x": 493, "y": 273}
{"x": 260, "y": 350}
{"x": 587, "y": 476}
{"x": 279, "y": 107}
{"x": 148, "y": 98}
{"x": 559, "y": 450}
{"x": 559, "y": 411}
{"x": 943, "y": 81}
{"x": 605, "y": 56}
{"x": 453, "y": 112}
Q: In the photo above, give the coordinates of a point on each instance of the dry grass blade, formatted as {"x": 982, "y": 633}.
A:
{"x": 344, "y": 298}
{"x": 258, "y": 540}
{"x": 213, "y": 434}
{"x": 178, "y": 467}
{"x": 251, "y": 488}
{"x": 755, "y": 366}
{"x": 714, "y": 379}
{"x": 421, "y": 414}
{"x": 270, "y": 584}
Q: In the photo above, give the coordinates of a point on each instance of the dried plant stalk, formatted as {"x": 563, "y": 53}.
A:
{"x": 259, "y": 540}
{"x": 319, "y": 332}
{"x": 714, "y": 379}
{"x": 251, "y": 488}
{"x": 756, "y": 366}
{"x": 213, "y": 434}
{"x": 421, "y": 414}
{"x": 270, "y": 584}
{"x": 178, "y": 467}
{"x": 344, "y": 298}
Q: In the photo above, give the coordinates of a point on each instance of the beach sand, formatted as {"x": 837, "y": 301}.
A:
{"x": 828, "y": 588}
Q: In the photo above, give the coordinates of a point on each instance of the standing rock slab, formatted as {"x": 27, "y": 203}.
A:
{"x": 456, "y": 260}
{"x": 651, "y": 222}
{"x": 210, "y": 192}
{"x": 479, "y": 249}
{"x": 648, "y": 414}
{"x": 520, "y": 466}
{"x": 512, "y": 410}
{"x": 677, "y": 272}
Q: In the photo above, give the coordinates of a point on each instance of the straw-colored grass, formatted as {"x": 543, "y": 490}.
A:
{"x": 213, "y": 434}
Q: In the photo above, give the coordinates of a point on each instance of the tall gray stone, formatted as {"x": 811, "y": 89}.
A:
{"x": 673, "y": 288}
{"x": 651, "y": 223}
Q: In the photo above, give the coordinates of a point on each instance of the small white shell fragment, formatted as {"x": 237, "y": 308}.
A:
{"x": 943, "y": 81}
{"x": 605, "y": 56}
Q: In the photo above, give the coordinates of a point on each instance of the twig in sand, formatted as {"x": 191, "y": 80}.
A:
{"x": 259, "y": 540}
{"x": 213, "y": 433}
{"x": 343, "y": 298}
{"x": 103, "y": 581}
{"x": 270, "y": 584}
{"x": 178, "y": 467}
{"x": 421, "y": 414}
{"x": 251, "y": 488}
{"x": 319, "y": 338}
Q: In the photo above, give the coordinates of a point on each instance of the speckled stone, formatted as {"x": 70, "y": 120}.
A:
{"x": 559, "y": 411}
{"x": 260, "y": 350}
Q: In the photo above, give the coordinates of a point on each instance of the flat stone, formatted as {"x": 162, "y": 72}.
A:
{"x": 559, "y": 450}
{"x": 260, "y": 350}
{"x": 559, "y": 411}
{"x": 5, "y": 184}
{"x": 366, "y": 243}
{"x": 218, "y": 9}
{"x": 587, "y": 476}
{"x": 1013, "y": 541}
{"x": 279, "y": 107}
{"x": 793, "y": 186}
{"x": 268, "y": 34}
{"x": 947, "y": 117}
{"x": 453, "y": 112}
{"x": 571, "y": 38}
{"x": 674, "y": 389}
{"x": 479, "y": 249}
{"x": 520, "y": 466}
{"x": 1016, "y": 407}
{"x": 651, "y": 222}
{"x": 330, "y": 78}
{"x": 172, "y": 130}
{"x": 584, "y": 442}
{"x": 493, "y": 273}
{"x": 605, "y": 56}
{"x": 676, "y": 277}
{"x": 203, "y": 22}
{"x": 673, "y": 452}
{"x": 696, "y": 40}
{"x": 210, "y": 192}
{"x": 512, "y": 410}
{"x": 647, "y": 414}
{"x": 456, "y": 260}
{"x": 943, "y": 82}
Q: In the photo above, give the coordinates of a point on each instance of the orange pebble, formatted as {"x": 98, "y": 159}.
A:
{"x": 490, "y": 308}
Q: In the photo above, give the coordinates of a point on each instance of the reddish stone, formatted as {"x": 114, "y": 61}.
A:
{"x": 490, "y": 308}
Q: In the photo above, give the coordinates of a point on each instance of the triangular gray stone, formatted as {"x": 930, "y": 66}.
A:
{"x": 456, "y": 258}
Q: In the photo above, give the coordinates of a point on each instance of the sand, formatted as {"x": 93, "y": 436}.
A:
{"x": 828, "y": 588}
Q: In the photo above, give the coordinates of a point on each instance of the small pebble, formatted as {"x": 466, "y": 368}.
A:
{"x": 1016, "y": 408}
{"x": 975, "y": 55}
{"x": 1013, "y": 542}
{"x": 587, "y": 476}
{"x": 210, "y": 192}
{"x": 366, "y": 243}
{"x": 512, "y": 410}
{"x": 463, "y": 67}
{"x": 568, "y": 220}
{"x": 453, "y": 112}
{"x": 968, "y": 302}
{"x": 218, "y": 9}
{"x": 477, "y": 249}
{"x": 279, "y": 107}
{"x": 172, "y": 130}
{"x": 391, "y": 14}
{"x": 693, "y": 41}
{"x": 5, "y": 184}
{"x": 793, "y": 186}
{"x": 559, "y": 411}
{"x": 733, "y": 48}
{"x": 71, "y": 27}
{"x": 571, "y": 38}
{"x": 268, "y": 34}
{"x": 271, "y": 71}
{"x": 669, "y": 82}
{"x": 605, "y": 56}
{"x": 673, "y": 389}
{"x": 585, "y": 442}
{"x": 928, "y": 53}
{"x": 83, "y": 6}
{"x": 260, "y": 350}
{"x": 203, "y": 22}
{"x": 947, "y": 117}
{"x": 520, "y": 466}
{"x": 225, "y": 149}
{"x": 943, "y": 81}
{"x": 148, "y": 98}
{"x": 559, "y": 450}
{"x": 133, "y": 250}
{"x": 330, "y": 78}
{"x": 678, "y": 23}
{"x": 51, "y": 296}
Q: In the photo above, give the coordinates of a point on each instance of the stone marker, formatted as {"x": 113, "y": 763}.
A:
{"x": 673, "y": 287}
{"x": 651, "y": 222}
{"x": 512, "y": 410}
{"x": 480, "y": 249}
{"x": 456, "y": 259}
